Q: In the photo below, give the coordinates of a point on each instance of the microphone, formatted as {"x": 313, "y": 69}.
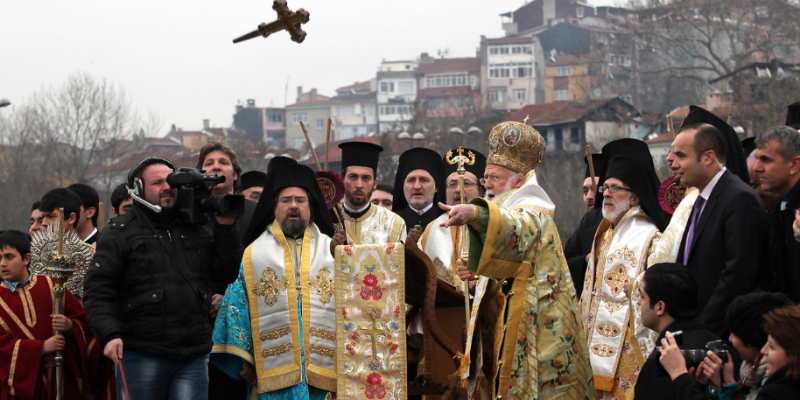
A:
{"x": 142, "y": 201}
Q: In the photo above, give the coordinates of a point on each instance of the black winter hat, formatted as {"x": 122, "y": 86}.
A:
{"x": 745, "y": 315}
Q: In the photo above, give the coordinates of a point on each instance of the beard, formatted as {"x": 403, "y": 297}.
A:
{"x": 295, "y": 227}
{"x": 491, "y": 195}
{"x": 420, "y": 204}
{"x": 619, "y": 208}
{"x": 358, "y": 203}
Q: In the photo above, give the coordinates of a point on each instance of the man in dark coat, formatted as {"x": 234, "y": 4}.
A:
{"x": 778, "y": 169}
{"x": 668, "y": 301}
{"x": 723, "y": 240}
{"x": 415, "y": 187}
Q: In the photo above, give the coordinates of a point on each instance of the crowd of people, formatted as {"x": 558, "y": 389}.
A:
{"x": 652, "y": 297}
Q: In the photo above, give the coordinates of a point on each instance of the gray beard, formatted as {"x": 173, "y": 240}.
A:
{"x": 619, "y": 209}
{"x": 293, "y": 228}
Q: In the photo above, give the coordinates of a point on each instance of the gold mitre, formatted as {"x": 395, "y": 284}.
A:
{"x": 516, "y": 146}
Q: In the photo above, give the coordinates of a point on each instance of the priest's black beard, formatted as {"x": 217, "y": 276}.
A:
{"x": 359, "y": 203}
{"x": 293, "y": 228}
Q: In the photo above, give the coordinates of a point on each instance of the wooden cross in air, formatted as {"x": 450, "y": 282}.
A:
{"x": 373, "y": 332}
{"x": 287, "y": 20}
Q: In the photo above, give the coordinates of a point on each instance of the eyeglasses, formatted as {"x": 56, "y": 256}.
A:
{"x": 492, "y": 179}
{"x": 289, "y": 199}
{"x": 454, "y": 184}
{"x": 611, "y": 189}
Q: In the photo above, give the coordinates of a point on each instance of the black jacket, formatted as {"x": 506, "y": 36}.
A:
{"x": 728, "y": 241}
{"x": 650, "y": 386}
{"x": 158, "y": 303}
{"x": 579, "y": 245}
{"x": 778, "y": 386}
{"x": 784, "y": 249}
{"x": 412, "y": 218}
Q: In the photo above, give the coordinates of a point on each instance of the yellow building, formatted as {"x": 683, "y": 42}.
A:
{"x": 573, "y": 78}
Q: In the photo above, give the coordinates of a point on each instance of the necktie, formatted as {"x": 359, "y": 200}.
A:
{"x": 698, "y": 204}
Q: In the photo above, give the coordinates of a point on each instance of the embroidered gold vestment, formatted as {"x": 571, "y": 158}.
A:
{"x": 370, "y": 322}
{"x": 274, "y": 286}
{"x": 377, "y": 226}
{"x": 606, "y": 309}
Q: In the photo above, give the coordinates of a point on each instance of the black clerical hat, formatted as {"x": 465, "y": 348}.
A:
{"x": 279, "y": 178}
{"x": 633, "y": 148}
{"x": 252, "y": 179}
{"x": 411, "y": 160}
{"x": 793, "y": 115}
{"x": 643, "y": 182}
{"x": 748, "y": 145}
{"x": 734, "y": 157}
{"x": 360, "y": 154}
{"x": 478, "y": 168}
{"x": 597, "y": 163}
{"x": 278, "y": 161}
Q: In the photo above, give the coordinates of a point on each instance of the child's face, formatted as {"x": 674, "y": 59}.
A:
{"x": 13, "y": 267}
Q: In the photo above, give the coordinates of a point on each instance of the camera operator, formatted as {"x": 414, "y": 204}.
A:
{"x": 148, "y": 289}
{"x": 745, "y": 321}
{"x": 668, "y": 302}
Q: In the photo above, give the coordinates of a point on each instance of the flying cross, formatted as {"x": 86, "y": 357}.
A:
{"x": 374, "y": 332}
{"x": 287, "y": 20}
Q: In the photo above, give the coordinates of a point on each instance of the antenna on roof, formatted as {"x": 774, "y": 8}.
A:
{"x": 286, "y": 91}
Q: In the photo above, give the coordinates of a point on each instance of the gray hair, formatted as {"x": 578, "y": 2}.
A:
{"x": 787, "y": 137}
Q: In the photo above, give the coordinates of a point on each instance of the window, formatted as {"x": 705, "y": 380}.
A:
{"x": 345, "y": 112}
{"x": 627, "y": 98}
{"x": 761, "y": 11}
{"x": 464, "y": 102}
{"x": 518, "y": 94}
{"x": 625, "y": 60}
{"x": 320, "y": 123}
{"x": 579, "y": 12}
{"x": 369, "y": 110}
{"x": 299, "y": 117}
{"x": 497, "y": 95}
{"x": 493, "y": 50}
{"x": 575, "y": 135}
{"x": 387, "y": 87}
{"x": 447, "y": 80}
{"x": 559, "y": 139}
{"x": 504, "y": 50}
{"x": 521, "y": 72}
{"x": 406, "y": 87}
{"x": 274, "y": 118}
{"x": 437, "y": 104}
{"x": 561, "y": 95}
{"x": 565, "y": 70}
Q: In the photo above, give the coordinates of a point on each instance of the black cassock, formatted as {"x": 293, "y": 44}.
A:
{"x": 412, "y": 218}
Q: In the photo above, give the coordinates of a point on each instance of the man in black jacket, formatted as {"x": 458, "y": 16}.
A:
{"x": 668, "y": 301}
{"x": 724, "y": 237}
{"x": 778, "y": 168}
{"x": 148, "y": 287}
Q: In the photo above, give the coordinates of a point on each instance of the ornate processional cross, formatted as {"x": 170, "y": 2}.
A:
{"x": 373, "y": 332}
{"x": 287, "y": 20}
{"x": 462, "y": 160}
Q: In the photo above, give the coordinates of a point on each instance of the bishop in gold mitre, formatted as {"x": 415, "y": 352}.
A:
{"x": 538, "y": 343}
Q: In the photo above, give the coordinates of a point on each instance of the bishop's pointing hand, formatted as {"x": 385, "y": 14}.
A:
{"x": 338, "y": 239}
{"x": 458, "y": 215}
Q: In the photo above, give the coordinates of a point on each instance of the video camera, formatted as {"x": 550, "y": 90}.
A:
{"x": 195, "y": 201}
{"x": 694, "y": 357}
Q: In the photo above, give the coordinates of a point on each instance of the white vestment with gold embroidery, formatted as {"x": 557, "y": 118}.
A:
{"x": 273, "y": 298}
{"x": 377, "y": 226}
{"x": 437, "y": 243}
{"x": 606, "y": 310}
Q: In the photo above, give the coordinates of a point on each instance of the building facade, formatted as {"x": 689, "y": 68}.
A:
{"x": 448, "y": 87}
{"x": 396, "y": 84}
{"x": 313, "y": 110}
{"x": 355, "y": 110}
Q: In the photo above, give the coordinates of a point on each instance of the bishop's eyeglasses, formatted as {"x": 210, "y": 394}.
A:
{"x": 611, "y": 189}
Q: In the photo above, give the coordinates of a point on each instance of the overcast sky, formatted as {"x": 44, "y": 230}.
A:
{"x": 175, "y": 58}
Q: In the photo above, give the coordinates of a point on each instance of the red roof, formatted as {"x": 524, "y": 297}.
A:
{"x": 189, "y": 133}
{"x": 681, "y": 111}
{"x": 356, "y": 86}
{"x": 558, "y": 112}
{"x": 450, "y": 65}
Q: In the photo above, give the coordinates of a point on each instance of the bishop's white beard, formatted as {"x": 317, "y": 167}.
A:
{"x": 619, "y": 208}
{"x": 509, "y": 185}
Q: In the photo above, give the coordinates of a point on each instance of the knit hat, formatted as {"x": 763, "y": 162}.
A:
{"x": 745, "y": 316}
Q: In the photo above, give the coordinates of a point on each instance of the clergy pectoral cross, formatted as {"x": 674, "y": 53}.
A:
{"x": 373, "y": 332}
{"x": 287, "y": 20}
